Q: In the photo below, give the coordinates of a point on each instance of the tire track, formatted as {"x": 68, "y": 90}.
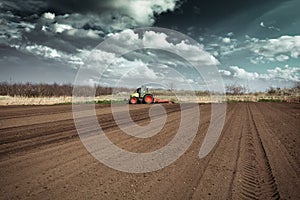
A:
{"x": 286, "y": 134}
{"x": 255, "y": 180}
{"x": 284, "y": 165}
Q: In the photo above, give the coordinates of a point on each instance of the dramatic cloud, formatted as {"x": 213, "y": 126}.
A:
{"x": 12, "y": 30}
{"x": 71, "y": 20}
{"x": 71, "y": 31}
{"x": 141, "y": 12}
{"x": 256, "y": 51}
{"x": 195, "y": 53}
{"x": 157, "y": 63}
{"x": 59, "y": 35}
{"x": 279, "y": 48}
{"x": 147, "y": 65}
{"x": 286, "y": 73}
{"x": 117, "y": 13}
{"x": 46, "y": 52}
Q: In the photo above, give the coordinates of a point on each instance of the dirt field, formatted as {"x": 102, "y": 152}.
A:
{"x": 257, "y": 156}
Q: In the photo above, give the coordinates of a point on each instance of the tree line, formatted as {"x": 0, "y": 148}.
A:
{"x": 57, "y": 90}
{"x": 48, "y": 90}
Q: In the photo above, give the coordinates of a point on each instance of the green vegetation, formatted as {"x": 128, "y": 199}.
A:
{"x": 110, "y": 102}
{"x": 271, "y": 100}
{"x": 235, "y": 101}
{"x": 95, "y": 102}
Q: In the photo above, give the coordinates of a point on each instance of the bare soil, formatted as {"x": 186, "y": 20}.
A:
{"x": 257, "y": 156}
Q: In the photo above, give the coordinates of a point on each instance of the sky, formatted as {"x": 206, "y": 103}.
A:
{"x": 255, "y": 44}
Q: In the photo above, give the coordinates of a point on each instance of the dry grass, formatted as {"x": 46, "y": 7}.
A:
{"x": 49, "y": 94}
{"x": 8, "y": 100}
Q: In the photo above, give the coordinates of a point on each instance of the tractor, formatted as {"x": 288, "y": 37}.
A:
{"x": 142, "y": 95}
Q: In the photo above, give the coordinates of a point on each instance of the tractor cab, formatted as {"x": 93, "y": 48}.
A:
{"x": 142, "y": 91}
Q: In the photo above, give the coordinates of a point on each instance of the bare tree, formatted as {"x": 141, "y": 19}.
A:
{"x": 49, "y": 90}
{"x": 171, "y": 86}
{"x": 235, "y": 89}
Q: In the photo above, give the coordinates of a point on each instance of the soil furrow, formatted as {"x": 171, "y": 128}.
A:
{"x": 256, "y": 156}
{"x": 34, "y": 138}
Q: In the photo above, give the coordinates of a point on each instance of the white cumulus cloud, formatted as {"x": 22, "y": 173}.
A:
{"x": 287, "y": 73}
{"x": 114, "y": 14}
{"x": 107, "y": 59}
{"x": 46, "y": 52}
{"x": 159, "y": 40}
{"x": 48, "y": 15}
{"x": 226, "y": 40}
{"x": 278, "y": 48}
{"x": 282, "y": 58}
{"x": 156, "y": 40}
{"x": 225, "y": 72}
{"x": 72, "y": 29}
{"x": 81, "y": 33}
{"x": 143, "y": 11}
{"x": 243, "y": 74}
{"x": 59, "y": 28}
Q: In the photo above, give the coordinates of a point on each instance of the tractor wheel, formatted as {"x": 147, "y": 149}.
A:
{"x": 133, "y": 100}
{"x": 148, "y": 99}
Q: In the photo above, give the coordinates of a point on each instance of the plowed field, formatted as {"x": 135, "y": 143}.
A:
{"x": 256, "y": 157}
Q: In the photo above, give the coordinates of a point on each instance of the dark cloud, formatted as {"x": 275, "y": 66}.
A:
{"x": 140, "y": 11}
{"x": 125, "y": 12}
{"x": 88, "y": 6}
{"x": 22, "y": 8}
{"x": 53, "y": 36}
{"x": 202, "y": 13}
